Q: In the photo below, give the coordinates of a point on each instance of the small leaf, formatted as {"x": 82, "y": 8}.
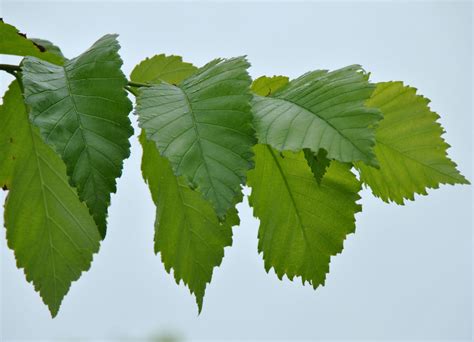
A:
{"x": 203, "y": 127}
{"x": 15, "y": 43}
{"x": 49, "y": 229}
{"x": 188, "y": 234}
{"x": 321, "y": 110}
{"x": 48, "y": 47}
{"x": 170, "y": 69}
{"x": 266, "y": 86}
{"x": 82, "y": 111}
{"x": 410, "y": 148}
{"x": 302, "y": 223}
{"x": 318, "y": 163}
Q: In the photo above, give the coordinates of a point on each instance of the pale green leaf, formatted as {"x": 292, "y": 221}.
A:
{"x": 188, "y": 234}
{"x": 321, "y": 110}
{"x": 266, "y": 86}
{"x": 409, "y": 146}
{"x": 302, "y": 223}
{"x": 82, "y": 111}
{"x": 170, "y": 69}
{"x": 49, "y": 229}
{"x": 15, "y": 43}
{"x": 203, "y": 127}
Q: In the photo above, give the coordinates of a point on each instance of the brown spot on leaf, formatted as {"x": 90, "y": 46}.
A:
{"x": 40, "y": 47}
{"x": 11, "y": 140}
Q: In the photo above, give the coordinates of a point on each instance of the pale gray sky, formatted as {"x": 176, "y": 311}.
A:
{"x": 405, "y": 274}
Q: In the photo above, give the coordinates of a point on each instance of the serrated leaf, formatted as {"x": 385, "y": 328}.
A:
{"x": 321, "y": 110}
{"x": 203, "y": 127}
{"x": 82, "y": 111}
{"x": 188, "y": 234}
{"x": 49, "y": 229}
{"x": 302, "y": 223}
{"x": 170, "y": 69}
{"x": 318, "y": 163}
{"x": 266, "y": 86}
{"x": 409, "y": 146}
{"x": 15, "y": 43}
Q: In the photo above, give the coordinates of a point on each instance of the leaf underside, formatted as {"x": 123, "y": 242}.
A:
{"x": 409, "y": 146}
{"x": 203, "y": 127}
{"x": 49, "y": 229}
{"x": 302, "y": 223}
{"x": 321, "y": 110}
{"x": 82, "y": 111}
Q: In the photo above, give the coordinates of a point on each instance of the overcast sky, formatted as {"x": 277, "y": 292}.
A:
{"x": 405, "y": 274}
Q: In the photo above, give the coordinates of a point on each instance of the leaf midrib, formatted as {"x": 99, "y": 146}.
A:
{"x": 198, "y": 137}
{"x": 325, "y": 121}
{"x": 48, "y": 217}
{"x": 418, "y": 161}
{"x": 287, "y": 186}
{"x": 81, "y": 127}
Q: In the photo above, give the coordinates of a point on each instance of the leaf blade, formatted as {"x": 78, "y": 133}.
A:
{"x": 203, "y": 126}
{"x": 170, "y": 69}
{"x": 308, "y": 224}
{"x": 49, "y": 229}
{"x": 321, "y": 110}
{"x": 12, "y": 42}
{"x": 409, "y": 145}
{"x": 188, "y": 234}
{"x": 82, "y": 109}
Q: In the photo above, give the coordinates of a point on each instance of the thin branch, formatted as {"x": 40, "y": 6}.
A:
{"x": 131, "y": 90}
{"x": 138, "y": 84}
{"x": 11, "y": 69}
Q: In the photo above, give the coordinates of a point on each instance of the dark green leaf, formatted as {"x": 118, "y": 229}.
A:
{"x": 203, "y": 127}
{"x": 82, "y": 111}
{"x": 321, "y": 110}
{"x": 318, "y": 163}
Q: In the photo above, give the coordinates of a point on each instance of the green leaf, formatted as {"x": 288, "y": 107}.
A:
{"x": 318, "y": 163}
{"x": 203, "y": 127}
{"x": 410, "y": 148}
{"x": 82, "y": 111}
{"x": 170, "y": 69}
{"x": 188, "y": 234}
{"x": 321, "y": 110}
{"x": 49, "y": 47}
{"x": 266, "y": 86}
{"x": 15, "y": 43}
{"x": 302, "y": 223}
{"x": 49, "y": 229}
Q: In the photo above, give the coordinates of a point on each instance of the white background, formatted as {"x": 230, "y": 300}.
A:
{"x": 405, "y": 274}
